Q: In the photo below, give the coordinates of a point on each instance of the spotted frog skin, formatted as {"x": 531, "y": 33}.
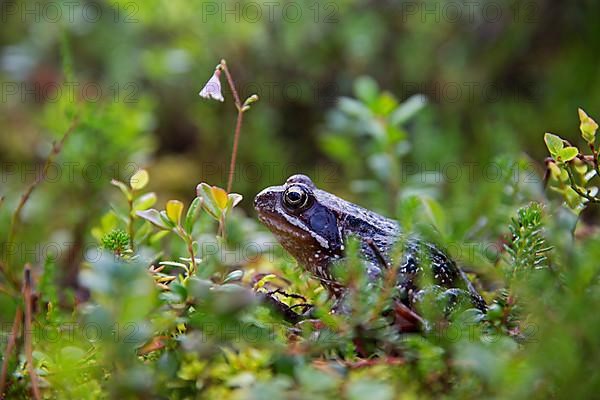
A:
{"x": 312, "y": 225}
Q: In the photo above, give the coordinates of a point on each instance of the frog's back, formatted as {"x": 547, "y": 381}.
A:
{"x": 382, "y": 235}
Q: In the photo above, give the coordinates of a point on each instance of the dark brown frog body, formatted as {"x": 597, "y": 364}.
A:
{"x": 312, "y": 225}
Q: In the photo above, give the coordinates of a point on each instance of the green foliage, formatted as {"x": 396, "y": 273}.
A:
{"x": 570, "y": 170}
{"x": 367, "y": 136}
{"x": 527, "y": 248}
{"x": 176, "y": 311}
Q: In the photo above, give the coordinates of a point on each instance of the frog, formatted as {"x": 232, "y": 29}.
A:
{"x": 314, "y": 225}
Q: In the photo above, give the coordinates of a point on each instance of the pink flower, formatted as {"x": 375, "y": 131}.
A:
{"x": 212, "y": 89}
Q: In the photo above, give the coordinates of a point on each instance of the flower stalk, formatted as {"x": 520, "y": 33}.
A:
{"x": 212, "y": 90}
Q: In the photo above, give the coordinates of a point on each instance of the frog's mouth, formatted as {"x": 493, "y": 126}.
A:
{"x": 281, "y": 226}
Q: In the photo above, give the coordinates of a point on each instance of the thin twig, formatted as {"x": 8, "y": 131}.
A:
{"x": 236, "y": 138}
{"x": 130, "y": 229}
{"x": 190, "y": 246}
{"x": 56, "y": 148}
{"x": 27, "y": 294}
{"x": 574, "y": 186}
{"x": 595, "y": 159}
{"x": 238, "y": 124}
{"x": 16, "y": 216}
{"x": 236, "y": 98}
{"x": 12, "y": 341}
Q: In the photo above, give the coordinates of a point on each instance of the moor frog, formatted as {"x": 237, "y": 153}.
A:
{"x": 312, "y": 225}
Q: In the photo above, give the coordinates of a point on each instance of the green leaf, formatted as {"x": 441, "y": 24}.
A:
{"x": 173, "y": 264}
{"x": 354, "y": 108}
{"x": 436, "y": 213}
{"x": 139, "y": 180}
{"x": 554, "y": 144}
{"x": 385, "y": 104}
{"x": 166, "y": 220}
{"x": 366, "y": 89}
{"x": 588, "y": 127}
{"x": 214, "y": 199}
{"x": 203, "y": 191}
{"x": 145, "y": 201}
{"x": 192, "y": 214}
{"x": 123, "y": 188}
{"x": 572, "y": 198}
{"x": 154, "y": 217}
{"x": 408, "y": 109}
{"x": 567, "y": 154}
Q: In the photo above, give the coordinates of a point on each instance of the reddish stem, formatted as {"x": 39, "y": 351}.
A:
{"x": 236, "y": 138}
{"x": 12, "y": 341}
{"x": 238, "y": 124}
{"x": 27, "y": 294}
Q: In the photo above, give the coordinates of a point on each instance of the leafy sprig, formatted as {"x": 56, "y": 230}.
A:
{"x": 527, "y": 248}
{"x": 570, "y": 171}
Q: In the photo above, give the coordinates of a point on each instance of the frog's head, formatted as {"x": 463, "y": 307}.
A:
{"x": 300, "y": 217}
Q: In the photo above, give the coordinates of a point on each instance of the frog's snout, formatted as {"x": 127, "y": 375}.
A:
{"x": 259, "y": 201}
{"x": 256, "y": 202}
{"x": 267, "y": 201}
{"x": 264, "y": 200}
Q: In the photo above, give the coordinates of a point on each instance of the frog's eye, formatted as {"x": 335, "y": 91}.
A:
{"x": 295, "y": 197}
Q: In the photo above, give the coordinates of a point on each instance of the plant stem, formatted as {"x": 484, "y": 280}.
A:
{"x": 236, "y": 137}
{"x": 236, "y": 98}
{"x": 595, "y": 159}
{"x": 130, "y": 223}
{"x": 574, "y": 186}
{"x": 12, "y": 341}
{"x": 28, "y": 341}
{"x": 238, "y": 124}
{"x": 190, "y": 246}
{"x": 16, "y": 216}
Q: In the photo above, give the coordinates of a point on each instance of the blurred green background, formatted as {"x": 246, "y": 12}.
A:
{"x": 496, "y": 76}
{"x": 380, "y": 102}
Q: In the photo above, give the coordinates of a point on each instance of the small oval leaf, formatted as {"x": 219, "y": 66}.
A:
{"x": 220, "y": 196}
{"x": 192, "y": 214}
{"x": 145, "y": 201}
{"x": 568, "y": 153}
{"x": 554, "y": 143}
{"x": 123, "y": 188}
{"x": 139, "y": 180}
{"x": 174, "y": 211}
{"x": 588, "y": 127}
{"x": 154, "y": 217}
